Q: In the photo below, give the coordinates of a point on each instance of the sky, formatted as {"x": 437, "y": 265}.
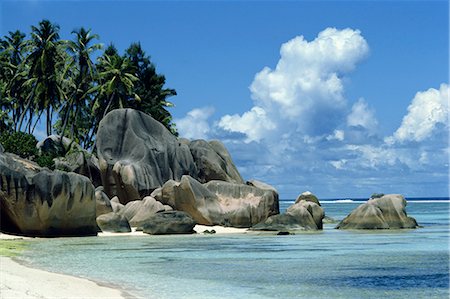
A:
{"x": 340, "y": 98}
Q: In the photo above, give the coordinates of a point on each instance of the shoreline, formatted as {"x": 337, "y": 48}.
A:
{"x": 20, "y": 281}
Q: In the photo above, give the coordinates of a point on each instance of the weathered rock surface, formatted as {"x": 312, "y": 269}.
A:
{"x": 303, "y": 215}
{"x": 53, "y": 145}
{"x": 170, "y": 222}
{"x": 137, "y": 154}
{"x": 137, "y": 212}
{"x": 386, "y": 212}
{"x": 116, "y": 205}
{"x": 114, "y": 223}
{"x": 213, "y": 162}
{"x": 219, "y": 202}
{"x": 38, "y": 202}
{"x": 81, "y": 162}
{"x": 308, "y": 196}
{"x": 102, "y": 202}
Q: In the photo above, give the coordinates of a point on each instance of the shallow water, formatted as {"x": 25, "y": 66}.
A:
{"x": 327, "y": 264}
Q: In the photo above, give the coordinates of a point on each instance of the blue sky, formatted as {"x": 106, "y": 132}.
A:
{"x": 355, "y": 103}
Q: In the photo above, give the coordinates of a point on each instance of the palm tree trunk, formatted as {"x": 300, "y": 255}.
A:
{"x": 109, "y": 104}
{"x": 49, "y": 122}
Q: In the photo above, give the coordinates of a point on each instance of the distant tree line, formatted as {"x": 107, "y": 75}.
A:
{"x": 45, "y": 77}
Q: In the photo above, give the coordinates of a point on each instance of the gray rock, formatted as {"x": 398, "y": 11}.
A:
{"x": 1, "y": 148}
{"x": 53, "y": 145}
{"x": 137, "y": 212}
{"x": 386, "y": 212}
{"x": 39, "y": 202}
{"x": 103, "y": 204}
{"x": 137, "y": 154}
{"x": 171, "y": 222}
{"x": 308, "y": 196}
{"x": 219, "y": 202}
{"x": 303, "y": 208}
{"x": 116, "y": 205}
{"x": 114, "y": 223}
{"x": 303, "y": 215}
{"x": 81, "y": 162}
{"x": 214, "y": 162}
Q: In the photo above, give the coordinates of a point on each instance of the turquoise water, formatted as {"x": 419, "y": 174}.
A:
{"x": 327, "y": 264}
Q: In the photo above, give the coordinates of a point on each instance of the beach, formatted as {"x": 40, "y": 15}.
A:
{"x": 20, "y": 281}
{"x": 234, "y": 263}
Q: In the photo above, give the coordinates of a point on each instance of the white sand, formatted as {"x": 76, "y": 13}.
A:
{"x": 17, "y": 281}
{"x": 220, "y": 230}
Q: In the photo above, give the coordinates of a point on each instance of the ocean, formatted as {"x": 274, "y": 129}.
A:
{"x": 327, "y": 264}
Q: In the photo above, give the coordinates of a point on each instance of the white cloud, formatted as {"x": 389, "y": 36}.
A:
{"x": 253, "y": 123}
{"x": 428, "y": 109}
{"x": 362, "y": 116}
{"x": 304, "y": 93}
{"x": 337, "y": 135}
{"x": 195, "y": 124}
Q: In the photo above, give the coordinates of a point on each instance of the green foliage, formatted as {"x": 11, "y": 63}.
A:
{"x": 43, "y": 76}
{"x": 19, "y": 143}
{"x": 46, "y": 160}
{"x": 377, "y": 195}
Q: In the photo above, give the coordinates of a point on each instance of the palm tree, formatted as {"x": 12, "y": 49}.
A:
{"x": 150, "y": 87}
{"x": 82, "y": 83}
{"x": 46, "y": 61}
{"x": 12, "y": 72}
{"x": 116, "y": 81}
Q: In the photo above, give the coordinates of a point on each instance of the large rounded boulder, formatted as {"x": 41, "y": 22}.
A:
{"x": 219, "y": 202}
{"x": 386, "y": 212}
{"x": 303, "y": 215}
{"x": 39, "y": 202}
{"x": 170, "y": 222}
{"x": 137, "y": 154}
{"x": 214, "y": 162}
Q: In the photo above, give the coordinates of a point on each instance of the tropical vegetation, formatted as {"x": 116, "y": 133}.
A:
{"x": 72, "y": 84}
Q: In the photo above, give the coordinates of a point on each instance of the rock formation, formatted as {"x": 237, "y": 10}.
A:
{"x": 170, "y": 222}
{"x": 114, "y": 223}
{"x": 213, "y": 162}
{"x": 308, "y": 196}
{"x": 137, "y": 154}
{"x": 386, "y": 212}
{"x": 38, "y": 202}
{"x": 219, "y": 202}
{"x": 302, "y": 215}
{"x": 137, "y": 212}
{"x": 102, "y": 202}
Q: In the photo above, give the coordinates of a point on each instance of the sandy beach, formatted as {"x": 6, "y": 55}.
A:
{"x": 18, "y": 281}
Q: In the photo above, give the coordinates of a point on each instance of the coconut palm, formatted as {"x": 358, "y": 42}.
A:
{"x": 12, "y": 94}
{"x": 46, "y": 62}
{"x": 80, "y": 84}
{"x": 150, "y": 88}
{"x": 116, "y": 79}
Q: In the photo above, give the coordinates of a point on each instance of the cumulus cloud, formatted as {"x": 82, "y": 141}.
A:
{"x": 253, "y": 124}
{"x": 427, "y": 111}
{"x": 305, "y": 92}
{"x": 362, "y": 116}
{"x": 195, "y": 124}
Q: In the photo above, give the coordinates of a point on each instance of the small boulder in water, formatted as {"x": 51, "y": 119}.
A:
{"x": 386, "y": 212}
